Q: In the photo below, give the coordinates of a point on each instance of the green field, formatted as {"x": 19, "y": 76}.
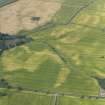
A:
{"x": 35, "y": 99}
{"x": 65, "y": 56}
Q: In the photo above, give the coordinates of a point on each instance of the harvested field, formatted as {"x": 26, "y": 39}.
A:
{"x": 18, "y": 16}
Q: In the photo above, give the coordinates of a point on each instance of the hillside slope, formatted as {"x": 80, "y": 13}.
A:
{"x": 64, "y": 65}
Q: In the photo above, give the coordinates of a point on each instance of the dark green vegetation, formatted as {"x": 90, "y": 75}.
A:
{"x": 8, "y": 41}
{"x": 64, "y": 57}
{"x": 6, "y": 2}
{"x": 101, "y": 82}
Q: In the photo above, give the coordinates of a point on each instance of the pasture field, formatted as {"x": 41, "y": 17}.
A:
{"x": 25, "y": 99}
{"x": 65, "y": 56}
{"x": 77, "y": 101}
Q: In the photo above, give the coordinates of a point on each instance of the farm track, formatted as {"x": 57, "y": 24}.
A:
{"x": 55, "y": 102}
{"x": 64, "y": 59}
{"x": 53, "y": 24}
{"x": 79, "y": 10}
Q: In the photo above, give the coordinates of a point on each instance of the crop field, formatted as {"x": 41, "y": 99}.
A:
{"x": 65, "y": 64}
